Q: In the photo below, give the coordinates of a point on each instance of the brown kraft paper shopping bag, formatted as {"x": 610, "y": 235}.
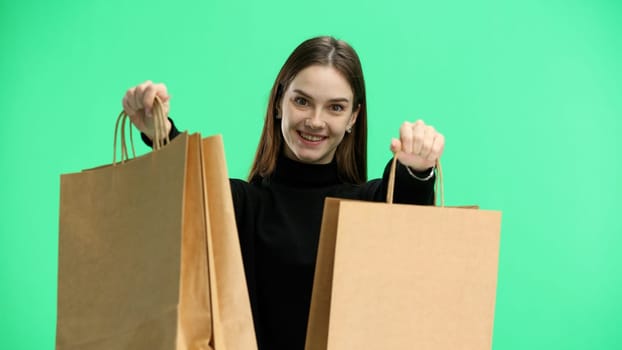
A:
{"x": 133, "y": 252}
{"x": 394, "y": 276}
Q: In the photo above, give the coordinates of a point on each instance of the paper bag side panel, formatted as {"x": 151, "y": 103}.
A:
{"x": 234, "y": 315}
{"x": 119, "y": 248}
{"x": 319, "y": 314}
{"x": 195, "y": 320}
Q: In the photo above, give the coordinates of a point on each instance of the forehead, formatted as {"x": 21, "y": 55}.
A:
{"x": 322, "y": 82}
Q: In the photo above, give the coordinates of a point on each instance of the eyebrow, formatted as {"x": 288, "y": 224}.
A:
{"x": 339, "y": 99}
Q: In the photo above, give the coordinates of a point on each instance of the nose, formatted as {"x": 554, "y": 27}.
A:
{"x": 315, "y": 121}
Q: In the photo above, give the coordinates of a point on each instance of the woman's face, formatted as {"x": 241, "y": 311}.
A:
{"x": 316, "y": 110}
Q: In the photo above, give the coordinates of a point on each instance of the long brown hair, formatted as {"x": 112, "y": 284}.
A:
{"x": 351, "y": 154}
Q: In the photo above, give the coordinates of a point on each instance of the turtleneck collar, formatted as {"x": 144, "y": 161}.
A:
{"x": 294, "y": 173}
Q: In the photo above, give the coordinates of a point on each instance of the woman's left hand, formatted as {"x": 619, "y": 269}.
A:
{"x": 419, "y": 146}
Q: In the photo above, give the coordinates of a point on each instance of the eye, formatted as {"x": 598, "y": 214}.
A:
{"x": 337, "y": 108}
{"x": 301, "y": 101}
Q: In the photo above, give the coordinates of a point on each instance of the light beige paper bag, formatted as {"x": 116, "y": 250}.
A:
{"x": 231, "y": 310}
{"x": 394, "y": 276}
{"x": 134, "y": 254}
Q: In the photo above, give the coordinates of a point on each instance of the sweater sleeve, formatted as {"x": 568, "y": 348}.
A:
{"x": 171, "y": 134}
{"x": 408, "y": 190}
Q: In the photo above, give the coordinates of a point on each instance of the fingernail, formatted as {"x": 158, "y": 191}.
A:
{"x": 148, "y": 112}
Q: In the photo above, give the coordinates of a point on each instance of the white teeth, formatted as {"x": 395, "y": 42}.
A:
{"x": 311, "y": 137}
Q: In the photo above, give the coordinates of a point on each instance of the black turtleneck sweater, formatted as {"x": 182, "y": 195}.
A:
{"x": 278, "y": 220}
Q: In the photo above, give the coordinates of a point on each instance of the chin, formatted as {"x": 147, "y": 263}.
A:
{"x": 307, "y": 159}
{"x": 310, "y": 158}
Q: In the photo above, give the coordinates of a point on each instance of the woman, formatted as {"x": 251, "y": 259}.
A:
{"x": 313, "y": 146}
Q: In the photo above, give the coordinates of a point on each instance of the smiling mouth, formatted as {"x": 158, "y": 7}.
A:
{"x": 311, "y": 138}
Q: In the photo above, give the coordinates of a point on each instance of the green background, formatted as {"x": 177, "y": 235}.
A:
{"x": 527, "y": 93}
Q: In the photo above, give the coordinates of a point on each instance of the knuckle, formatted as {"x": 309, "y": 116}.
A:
{"x": 147, "y": 98}
{"x": 428, "y": 144}
{"x": 407, "y": 137}
{"x": 149, "y": 91}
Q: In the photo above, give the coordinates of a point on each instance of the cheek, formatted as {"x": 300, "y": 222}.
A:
{"x": 286, "y": 120}
{"x": 339, "y": 127}
{"x": 291, "y": 117}
{"x": 286, "y": 126}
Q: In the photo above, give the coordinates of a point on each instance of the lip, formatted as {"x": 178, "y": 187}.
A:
{"x": 309, "y": 142}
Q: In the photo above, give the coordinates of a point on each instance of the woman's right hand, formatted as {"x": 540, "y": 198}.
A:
{"x": 138, "y": 104}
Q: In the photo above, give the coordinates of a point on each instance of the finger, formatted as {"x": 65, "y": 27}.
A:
{"x": 437, "y": 148}
{"x": 162, "y": 92}
{"x": 406, "y": 137}
{"x": 148, "y": 98}
{"x": 428, "y": 140}
{"x": 151, "y": 91}
{"x": 127, "y": 106}
{"x": 165, "y": 108}
{"x": 131, "y": 101}
{"x": 418, "y": 136}
{"x": 137, "y": 98}
{"x": 139, "y": 94}
{"x": 396, "y": 146}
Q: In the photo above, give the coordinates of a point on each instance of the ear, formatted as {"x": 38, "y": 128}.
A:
{"x": 277, "y": 111}
{"x": 278, "y": 99}
{"x": 353, "y": 117}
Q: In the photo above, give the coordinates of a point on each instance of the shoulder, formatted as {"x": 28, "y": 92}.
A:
{"x": 241, "y": 187}
{"x": 244, "y": 191}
